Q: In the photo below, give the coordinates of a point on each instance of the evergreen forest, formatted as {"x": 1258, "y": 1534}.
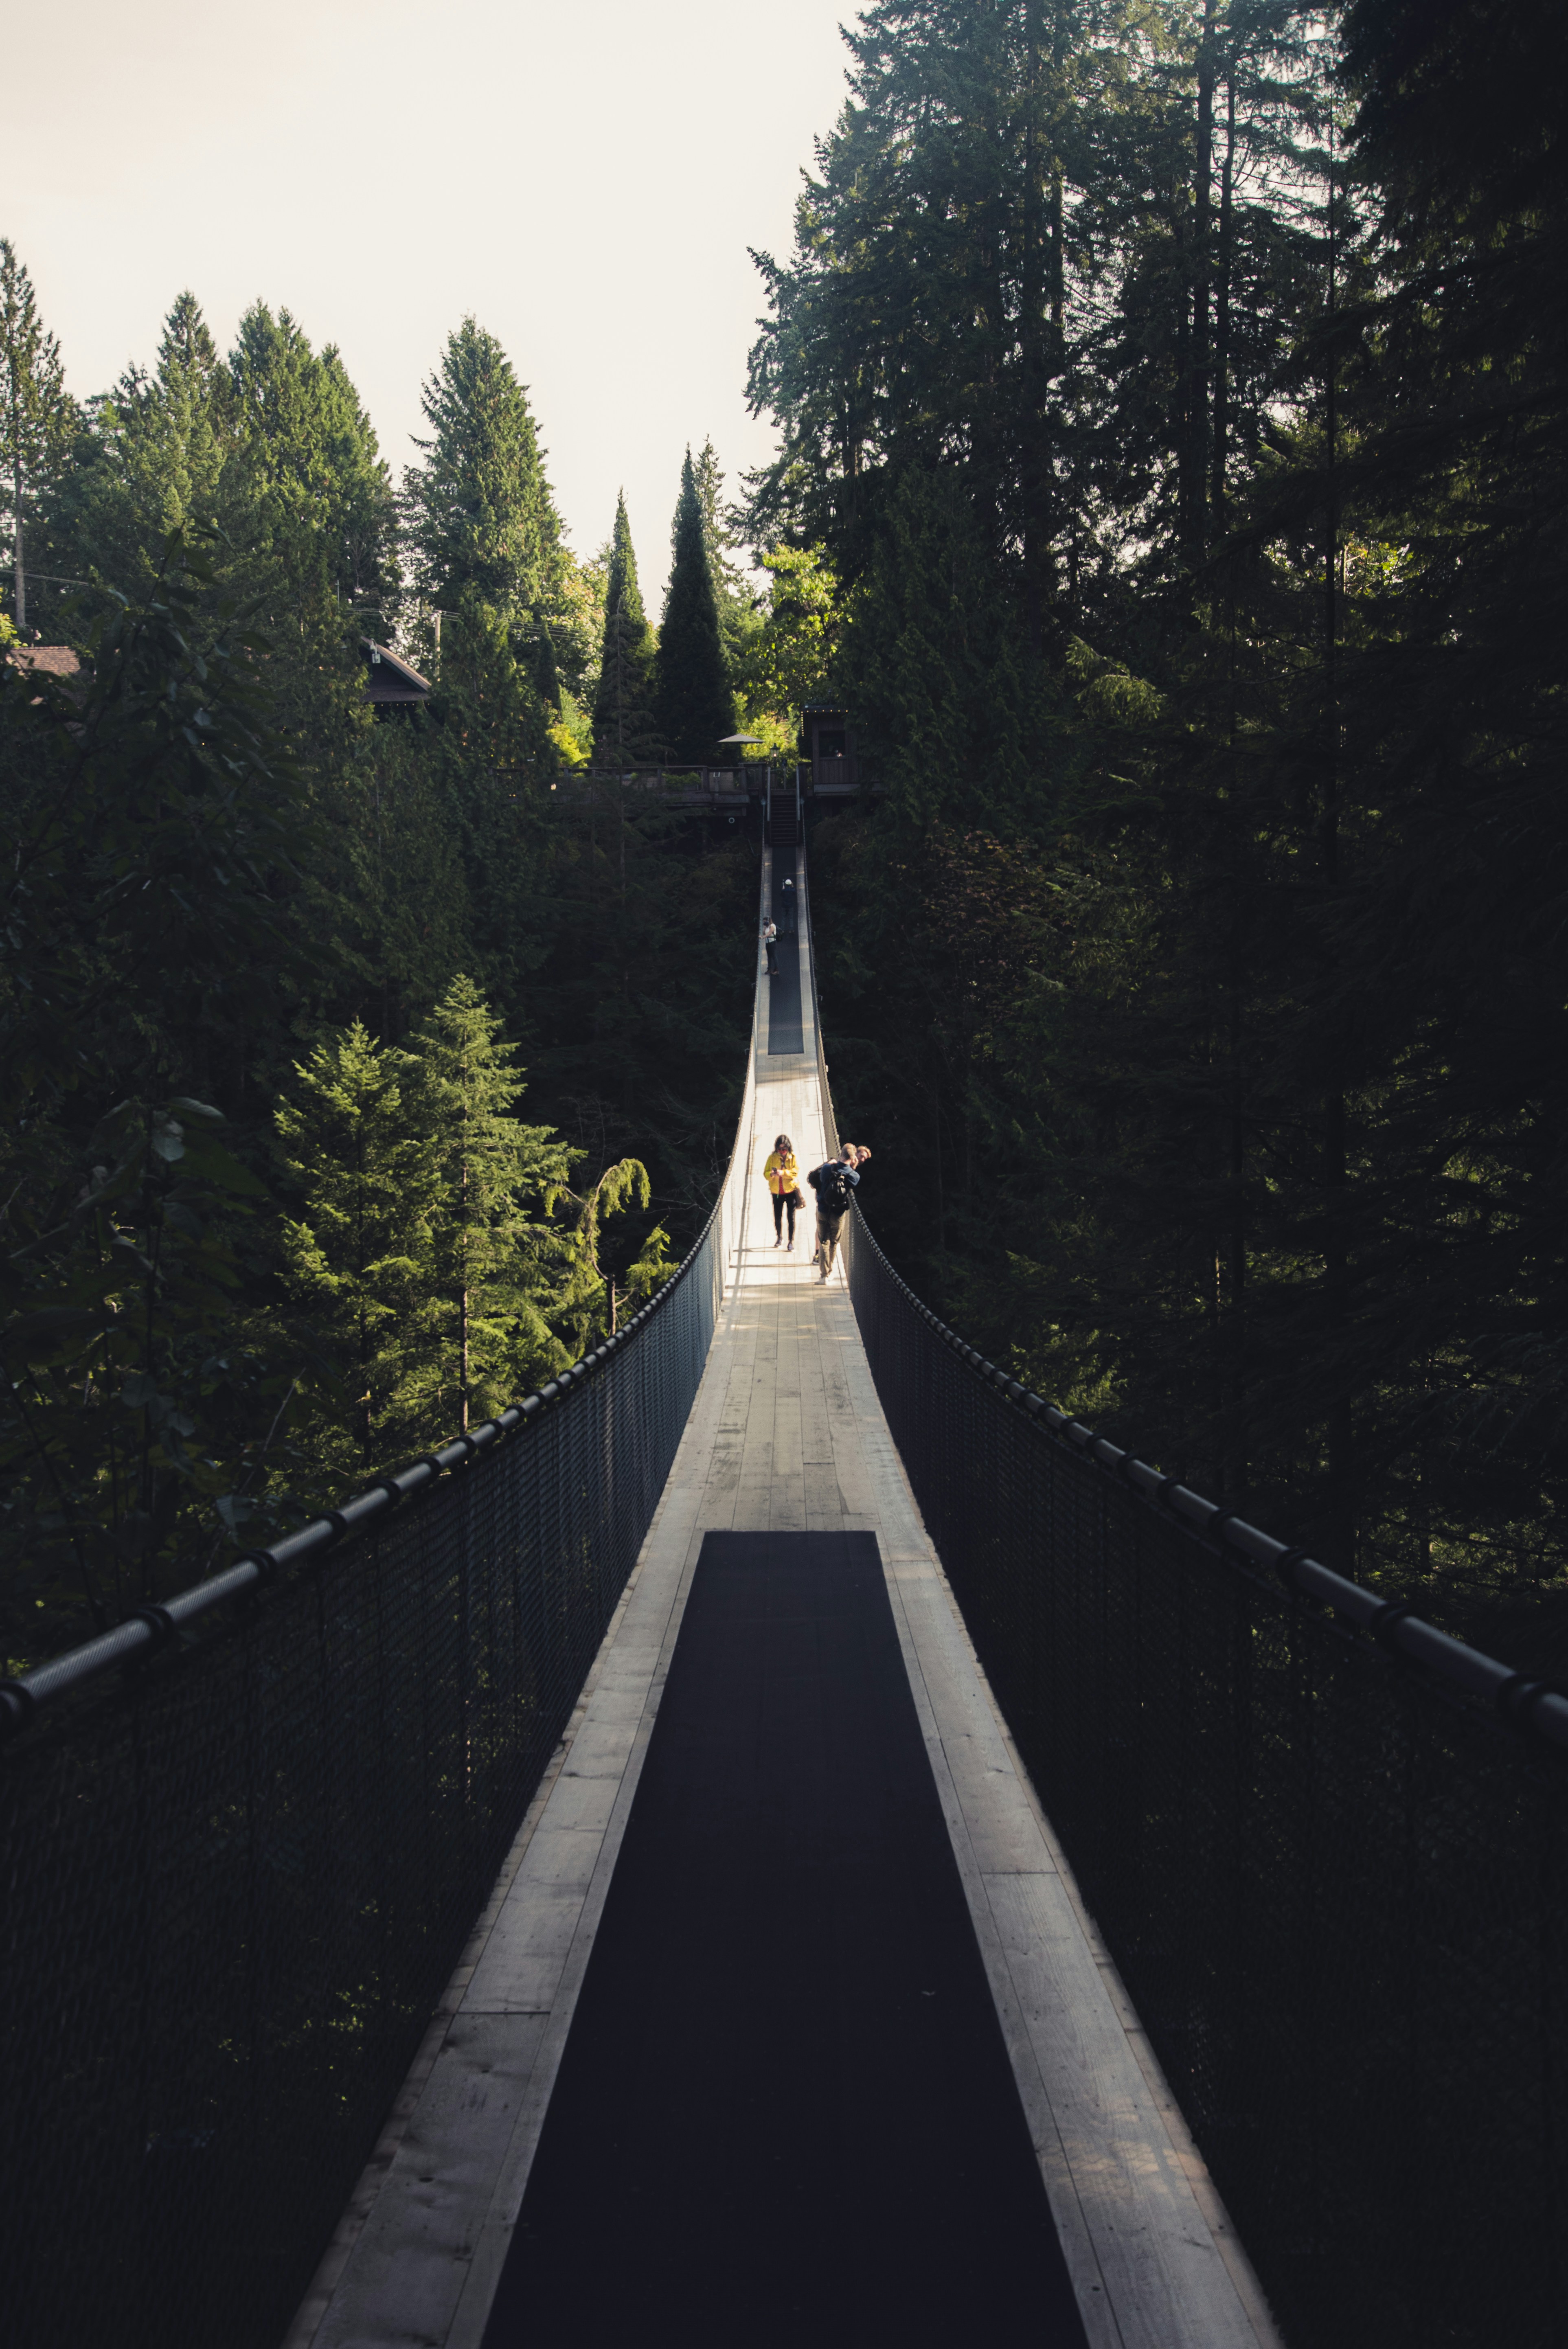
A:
{"x": 1171, "y": 407}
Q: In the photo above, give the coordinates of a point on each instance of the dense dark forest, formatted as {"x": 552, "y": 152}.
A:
{"x": 362, "y": 1065}
{"x": 1171, "y": 406}
{"x": 1175, "y": 395}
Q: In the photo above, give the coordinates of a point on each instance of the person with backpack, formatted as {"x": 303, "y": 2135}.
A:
{"x": 832, "y": 1182}
{"x": 783, "y": 1176}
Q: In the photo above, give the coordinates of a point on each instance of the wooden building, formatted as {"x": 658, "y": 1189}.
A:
{"x": 390, "y": 683}
{"x": 828, "y": 740}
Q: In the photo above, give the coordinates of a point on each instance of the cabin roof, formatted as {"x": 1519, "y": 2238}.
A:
{"x": 392, "y": 680}
{"x": 54, "y": 660}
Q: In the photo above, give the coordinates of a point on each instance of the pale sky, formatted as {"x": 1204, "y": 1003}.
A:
{"x": 583, "y": 175}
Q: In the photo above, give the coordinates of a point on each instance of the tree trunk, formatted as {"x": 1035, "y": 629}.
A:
{"x": 1197, "y": 420}
{"x": 1031, "y": 335}
{"x": 1218, "y": 503}
{"x": 1336, "y": 1256}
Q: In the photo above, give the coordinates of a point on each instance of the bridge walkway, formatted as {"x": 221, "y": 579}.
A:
{"x": 786, "y": 1439}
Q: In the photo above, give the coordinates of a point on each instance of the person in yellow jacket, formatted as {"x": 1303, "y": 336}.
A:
{"x": 783, "y": 1179}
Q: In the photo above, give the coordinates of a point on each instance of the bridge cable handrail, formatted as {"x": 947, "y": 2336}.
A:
{"x": 150, "y": 1627}
{"x": 1523, "y": 1700}
{"x": 1526, "y": 1701}
{"x": 159, "y": 1623}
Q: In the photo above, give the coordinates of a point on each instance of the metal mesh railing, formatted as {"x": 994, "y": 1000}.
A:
{"x": 1327, "y": 1846}
{"x": 244, "y": 1848}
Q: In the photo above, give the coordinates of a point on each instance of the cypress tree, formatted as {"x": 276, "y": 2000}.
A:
{"x": 623, "y": 727}
{"x": 694, "y": 704}
{"x": 738, "y": 612}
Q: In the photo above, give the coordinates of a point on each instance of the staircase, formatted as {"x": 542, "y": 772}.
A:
{"x": 783, "y": 823}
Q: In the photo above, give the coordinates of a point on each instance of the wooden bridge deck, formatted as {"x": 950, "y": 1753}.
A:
{"x": 787, "y": 1434}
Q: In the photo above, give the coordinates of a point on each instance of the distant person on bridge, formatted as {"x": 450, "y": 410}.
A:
{"x": 832, "y": 1182}
{"x": 783, "y": 1174}
{"x": 787, "y": 910}
{"x": 770, "y": 948}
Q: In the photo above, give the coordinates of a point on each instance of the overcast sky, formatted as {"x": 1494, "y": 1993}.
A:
{"x": 583, "y": 175}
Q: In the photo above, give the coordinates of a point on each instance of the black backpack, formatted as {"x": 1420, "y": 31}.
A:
{"x": 832, "y": 1186}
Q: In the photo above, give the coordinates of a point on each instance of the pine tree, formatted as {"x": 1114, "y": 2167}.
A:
{"x": 624, "y": 725}
{"x": 318, "y": 498}
{"x": 694, "y": 704}
{"x": 361, "y": 1255}
{"x": 155, "y": 459}
{"x": 492, "y": 1269}
{"x": 480, "y": 511}
{"x": 184, "y": 431}
{"x": 37, "y": 413}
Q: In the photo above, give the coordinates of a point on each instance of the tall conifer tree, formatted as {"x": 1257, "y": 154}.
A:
{"x": 624, "y": 725}
{"x": 318, "y": 497}
{"x": 35, "y": 410}
{"x": 361, "y": 1253}
{"x": 481, "y": 514}
{"x": 738, "y": 612}
{"x": 157, "y": 459}
{"x": 493, "y": 1268}
{"x": 693, "y": 705}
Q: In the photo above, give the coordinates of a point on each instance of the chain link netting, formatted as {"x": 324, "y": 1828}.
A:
{"x": 238, "y": 1875}
{"x": 1335, "y": 1892}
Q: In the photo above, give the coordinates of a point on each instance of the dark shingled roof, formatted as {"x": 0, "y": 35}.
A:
{"x": 392, "y": 680}
{"x": 56, "y": 660}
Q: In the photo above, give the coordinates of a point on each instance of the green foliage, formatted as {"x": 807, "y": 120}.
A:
{"x": 583, "y": 1302}
{"x": 360, "y": 1255}
{"x": 37, "y": 413}
{"x": 152, "y": 460}
{"x": 792, "y": 655}
{"x": 494, "y": 1270}
{"x": 149, "y": 821}
{"x": 141, "y": 1423}
{"x": 649, "y": 1269}
{"x": 220, "y": 869}
{"x": 481, "y": 522}
{"x": 694, "y": 707}
{"x": 310, "y": 479}
{"x": 1196, "y": 474}
{"x": 624, "y": 726}
{"x": 734, "y": 600}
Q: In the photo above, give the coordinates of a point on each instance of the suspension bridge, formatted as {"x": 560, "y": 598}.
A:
{"x": 783, "y": 1837}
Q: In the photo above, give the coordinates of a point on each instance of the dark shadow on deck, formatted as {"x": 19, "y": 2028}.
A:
{"x": 785, "y": 1033}
{"x": 785, "y": 2113}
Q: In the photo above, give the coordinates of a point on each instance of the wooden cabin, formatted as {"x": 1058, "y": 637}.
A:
{"x": 829, "y": 740}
